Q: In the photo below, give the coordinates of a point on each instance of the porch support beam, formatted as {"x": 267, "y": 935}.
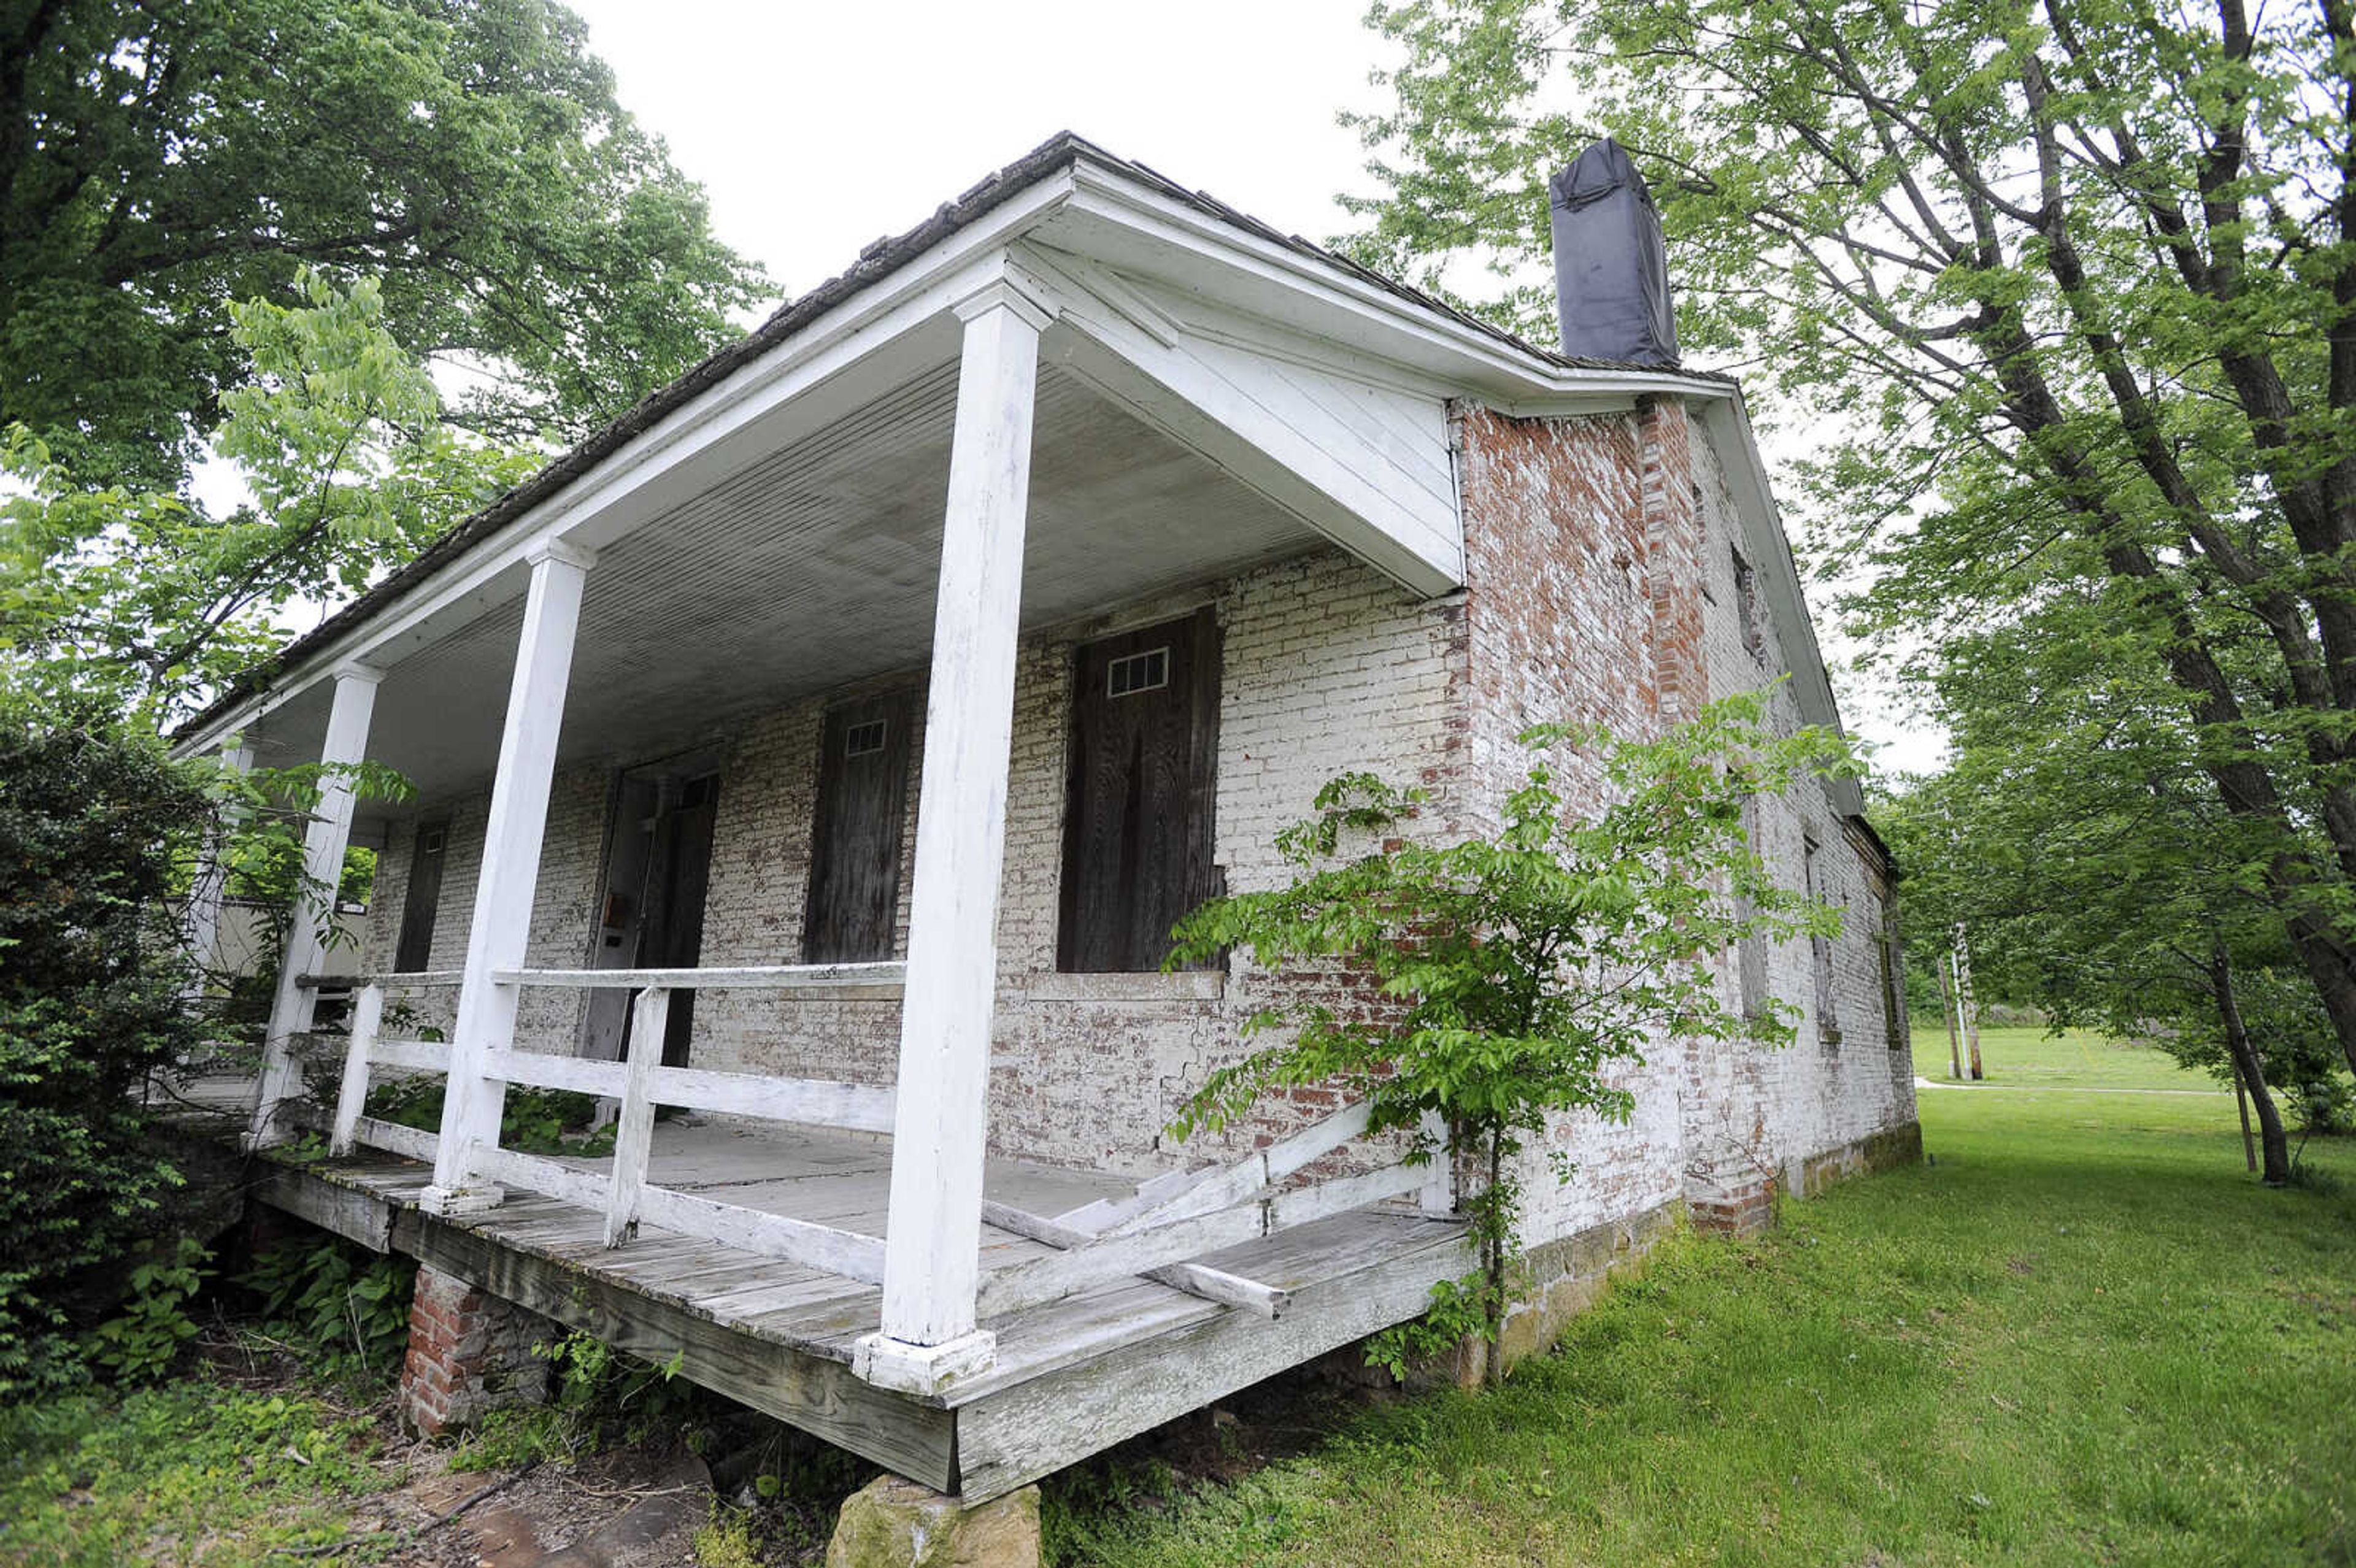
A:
{"x": 512, "y": 843}
{"x": 324, "y": 842}
{"x": 933, "y": 1241}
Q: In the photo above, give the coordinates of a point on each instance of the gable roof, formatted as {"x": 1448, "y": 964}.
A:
{"x": 876, "y": 260}
{"x": 1545, "y": 377}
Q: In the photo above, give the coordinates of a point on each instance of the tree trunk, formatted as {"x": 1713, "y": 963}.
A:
{"x": 2242, "y": 1103}
{"x": 1968, "y": 1004}
{"x": 1492, "y": 1370}
{"x": 2252, "y": 1071}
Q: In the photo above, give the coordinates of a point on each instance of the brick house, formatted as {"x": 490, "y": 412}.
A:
{"x": 826, "y": 748}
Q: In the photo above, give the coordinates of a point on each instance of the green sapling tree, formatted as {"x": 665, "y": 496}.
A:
{"x": 1520, "y": 966}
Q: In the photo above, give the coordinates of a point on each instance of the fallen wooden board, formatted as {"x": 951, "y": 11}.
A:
{"x": 1212, "y": 1285}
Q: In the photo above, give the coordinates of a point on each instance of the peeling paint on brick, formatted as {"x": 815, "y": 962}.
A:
{"x": 1600, "y": 566}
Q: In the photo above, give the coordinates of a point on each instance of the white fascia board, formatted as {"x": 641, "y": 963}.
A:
{"x": 1331, "y": 302}
{"x": 620, "y": 493}
{"x": 1234, "y": 410}
{"x": 1729, "y": 427}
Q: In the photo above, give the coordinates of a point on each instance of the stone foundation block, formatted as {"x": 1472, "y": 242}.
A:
{"x": 469, "y": 1351}
{"x": 1560, "y": 1280}
{"x": 1868, "y": 1156}
{"x": 896, "y": 1524}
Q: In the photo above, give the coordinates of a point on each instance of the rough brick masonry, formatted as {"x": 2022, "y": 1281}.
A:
{"x": 468, "y": 1352}
{"x": 1601, "y": 564}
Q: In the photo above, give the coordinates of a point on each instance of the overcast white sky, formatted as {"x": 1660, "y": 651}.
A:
{"x": 816, "y": 128}
{"x": 819, "y": 127}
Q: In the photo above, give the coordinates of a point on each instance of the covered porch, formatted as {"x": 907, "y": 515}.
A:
{"x": 993, "y": 441}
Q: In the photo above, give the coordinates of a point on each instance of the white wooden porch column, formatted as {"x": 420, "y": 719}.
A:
{"x": 324, "y": 841}
{"x": 931, "y": 1259}
{"x": 211, "y": 884}
{"x": 503, "y": 893}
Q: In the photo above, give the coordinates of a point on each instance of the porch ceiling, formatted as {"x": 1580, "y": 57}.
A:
{"x": 810, "y": 569}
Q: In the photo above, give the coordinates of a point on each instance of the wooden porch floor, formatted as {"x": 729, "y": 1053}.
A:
{"x": 1072, "y": 1377}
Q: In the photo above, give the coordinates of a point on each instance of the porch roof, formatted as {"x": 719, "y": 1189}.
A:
{"x": 1165, "y": 294}
{"x": 811, "y": 569}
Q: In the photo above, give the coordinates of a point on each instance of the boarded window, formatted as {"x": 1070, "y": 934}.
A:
{"x": 1746, "y": 608}
{"x": 415, "y": 951}
{"x": 855, "y": 835}
{"x": 1751, "y": 951}
{"x": 1820, "y": 948}
{"x": 1138, "y": 799}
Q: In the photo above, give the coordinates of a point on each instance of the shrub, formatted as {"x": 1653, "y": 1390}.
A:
{"x": 146, "y": 1338}
{"x": 97, "y": 829}
{"x": 1519, "y": 966}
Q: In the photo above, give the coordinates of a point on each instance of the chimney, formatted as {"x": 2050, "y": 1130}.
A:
{"x": 1611, "y": 269}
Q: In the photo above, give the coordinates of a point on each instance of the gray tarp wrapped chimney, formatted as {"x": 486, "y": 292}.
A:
{"x": 1611, "y": 269}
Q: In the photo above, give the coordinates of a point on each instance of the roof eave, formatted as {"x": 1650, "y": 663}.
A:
{"x": 1413, "y": 329}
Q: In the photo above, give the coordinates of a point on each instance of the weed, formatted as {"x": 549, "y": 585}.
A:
{"x": 344, "y": 1310}
{"x": 610, "y": 1396}
{"x": 191, "y": 1472}
{"x": 512, "y": 1436}
{"x": 143, "y": 1341}
{"x": 728, "y": 1542}
{"x": 534, "y": 1121}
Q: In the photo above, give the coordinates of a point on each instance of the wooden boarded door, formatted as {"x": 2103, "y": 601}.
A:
{"x": 422, "y": 904}
{"x": 856, "y": 831}
{"x": 678, "y": 873}
{"x": 1139, "y": 800}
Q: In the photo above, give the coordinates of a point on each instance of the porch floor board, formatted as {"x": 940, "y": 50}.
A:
{"x": 1071, "y": 1377}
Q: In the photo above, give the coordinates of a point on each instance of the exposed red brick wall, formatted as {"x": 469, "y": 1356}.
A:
{"x": 1743, "y": 1210}
{"x": 1562, "y": 551}
{"x": 1673, "y": 546}
{"x": 1557, "y": 614}
{"x": 468, "y": 1352}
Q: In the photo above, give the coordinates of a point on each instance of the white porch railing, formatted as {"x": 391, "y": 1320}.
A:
{"x": 639, "y": 1082}
{"x": 1151, "y": 1233}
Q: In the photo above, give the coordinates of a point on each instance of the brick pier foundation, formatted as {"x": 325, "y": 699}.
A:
{"x": 1737, "y": 1208}
{"x": 469, "y": 1351}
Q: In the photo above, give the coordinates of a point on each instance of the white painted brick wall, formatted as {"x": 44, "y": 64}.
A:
{"x": 1814, "y": 1095}
{"x": 1327, "y": 667}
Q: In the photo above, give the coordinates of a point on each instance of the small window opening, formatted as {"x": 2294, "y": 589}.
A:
{"x": 1133, "y": 673}
{"x": 863, "y": 740}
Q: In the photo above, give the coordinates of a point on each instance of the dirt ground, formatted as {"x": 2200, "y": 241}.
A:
{"x": 632, "y": 1506}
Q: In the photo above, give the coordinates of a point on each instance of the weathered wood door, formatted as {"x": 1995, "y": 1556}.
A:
{"x": 1140, "y": 797}
{"x": 678, "y": 873}
{"x": 856, "y": 834}
{"x": 420, "y": 904}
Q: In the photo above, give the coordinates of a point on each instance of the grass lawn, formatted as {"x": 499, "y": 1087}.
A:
{"x": 2082, "y": 1335}
{"x": 2027, "y": 1058}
